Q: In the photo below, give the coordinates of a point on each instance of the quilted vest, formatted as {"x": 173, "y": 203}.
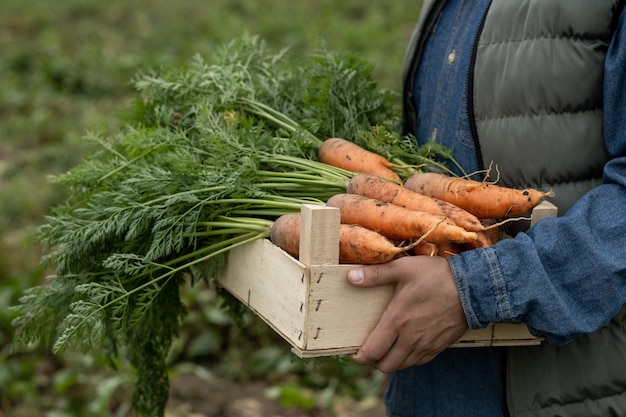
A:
{"x": 537, "y": 115}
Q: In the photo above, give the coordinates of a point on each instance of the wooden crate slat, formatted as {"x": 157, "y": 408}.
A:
{"x": 341, "y": 315}
{"x": 272, "y": 284}
{"x": 319, "y": 235}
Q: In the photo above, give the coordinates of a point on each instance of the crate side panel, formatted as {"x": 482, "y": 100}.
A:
{"x": 341, "y": 315}
{"x": 272, "y": 284}
{"x": 511, "y": 334}
{"x": 482, "y": 337}
{"x": 499, "y": 334}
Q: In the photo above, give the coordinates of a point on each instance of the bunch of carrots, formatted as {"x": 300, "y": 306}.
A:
{"x": 383, "y": 217}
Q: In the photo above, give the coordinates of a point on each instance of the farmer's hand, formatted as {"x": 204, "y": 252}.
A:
{"x": 423, "y": 318}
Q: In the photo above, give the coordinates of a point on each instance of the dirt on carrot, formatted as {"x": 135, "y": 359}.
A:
{"x": 483, "y": 199}
{"x": 378, "y": 188}
{"x": 398, "y": 223}
{"x": 347, "y": 155}
{"x": 357, "y": 244}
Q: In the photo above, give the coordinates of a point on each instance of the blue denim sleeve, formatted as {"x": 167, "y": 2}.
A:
{"x": 566, "y": 275}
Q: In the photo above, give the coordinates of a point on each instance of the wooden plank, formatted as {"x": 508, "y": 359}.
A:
{"x": 506, "y": 333}
{"x": 271, "y": 283}
{"x": 319, "y": 235}
{"x": 542, "y": 210}
{"x": 340, "y": 314}
{"x": 316, "y": 353}
{"x": 482, "y": 336}
{"x": 498, "y": 334}
{"x": 513, "y": 335}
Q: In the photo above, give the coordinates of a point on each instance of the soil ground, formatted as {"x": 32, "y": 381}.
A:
{"x": 191, "y": 396}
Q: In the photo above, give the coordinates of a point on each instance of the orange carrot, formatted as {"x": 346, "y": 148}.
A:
{"x": 357, "y": 245}
{"x": 285, "y": 233}
{"x": 492, "y": 230}
{"x": 398, "y": 223}
{"x": 347, "y": 155}
{"x": 444, "y": 250}
{"x": 449, "y": 249}
{"x": 484, "y": 240}
{"x": 378, "y": 188}
{"x": 484, "y": 200}
{"x": 426, "y": 248}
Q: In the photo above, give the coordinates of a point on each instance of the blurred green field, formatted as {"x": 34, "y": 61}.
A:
{"x": 65, "y": 71}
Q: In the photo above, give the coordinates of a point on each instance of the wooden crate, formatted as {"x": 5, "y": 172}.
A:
{"x": 310, "y": 302}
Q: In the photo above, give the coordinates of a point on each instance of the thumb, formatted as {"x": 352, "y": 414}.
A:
{"x": 370, "y": 276}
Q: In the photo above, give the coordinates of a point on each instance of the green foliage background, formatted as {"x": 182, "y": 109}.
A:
{"x": 65, "y": 70}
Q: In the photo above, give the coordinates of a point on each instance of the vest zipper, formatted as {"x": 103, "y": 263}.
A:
{"x": 470, "y": 90}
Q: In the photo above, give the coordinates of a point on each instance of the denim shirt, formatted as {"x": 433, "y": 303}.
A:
{"x": 565, "y": 276}
{"x": 441, "y": 81}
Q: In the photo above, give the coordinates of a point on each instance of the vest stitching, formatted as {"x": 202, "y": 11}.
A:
{"x": 530, "y": 115}
{"x": 577, "y": 181}
{"x": 558, "y": 405}
{"x": 575, "y": 37}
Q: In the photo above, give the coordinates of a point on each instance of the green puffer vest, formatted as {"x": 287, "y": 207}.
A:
{"x": 537, "y": 114}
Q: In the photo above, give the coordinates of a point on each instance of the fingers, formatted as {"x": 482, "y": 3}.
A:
{"x": 380, "y": 274}
{"x": 424, "y": 316}
{"x": 367, "y": 276}
{"x": 376, "y": 346}
{"x": 398, "y": 354}
{"x": 388, "y": 346}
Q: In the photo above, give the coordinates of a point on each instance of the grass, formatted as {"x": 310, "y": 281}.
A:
{"x": 65, "y": 70}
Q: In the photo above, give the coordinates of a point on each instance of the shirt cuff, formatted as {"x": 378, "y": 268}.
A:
{"x": 482, "y": 287}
